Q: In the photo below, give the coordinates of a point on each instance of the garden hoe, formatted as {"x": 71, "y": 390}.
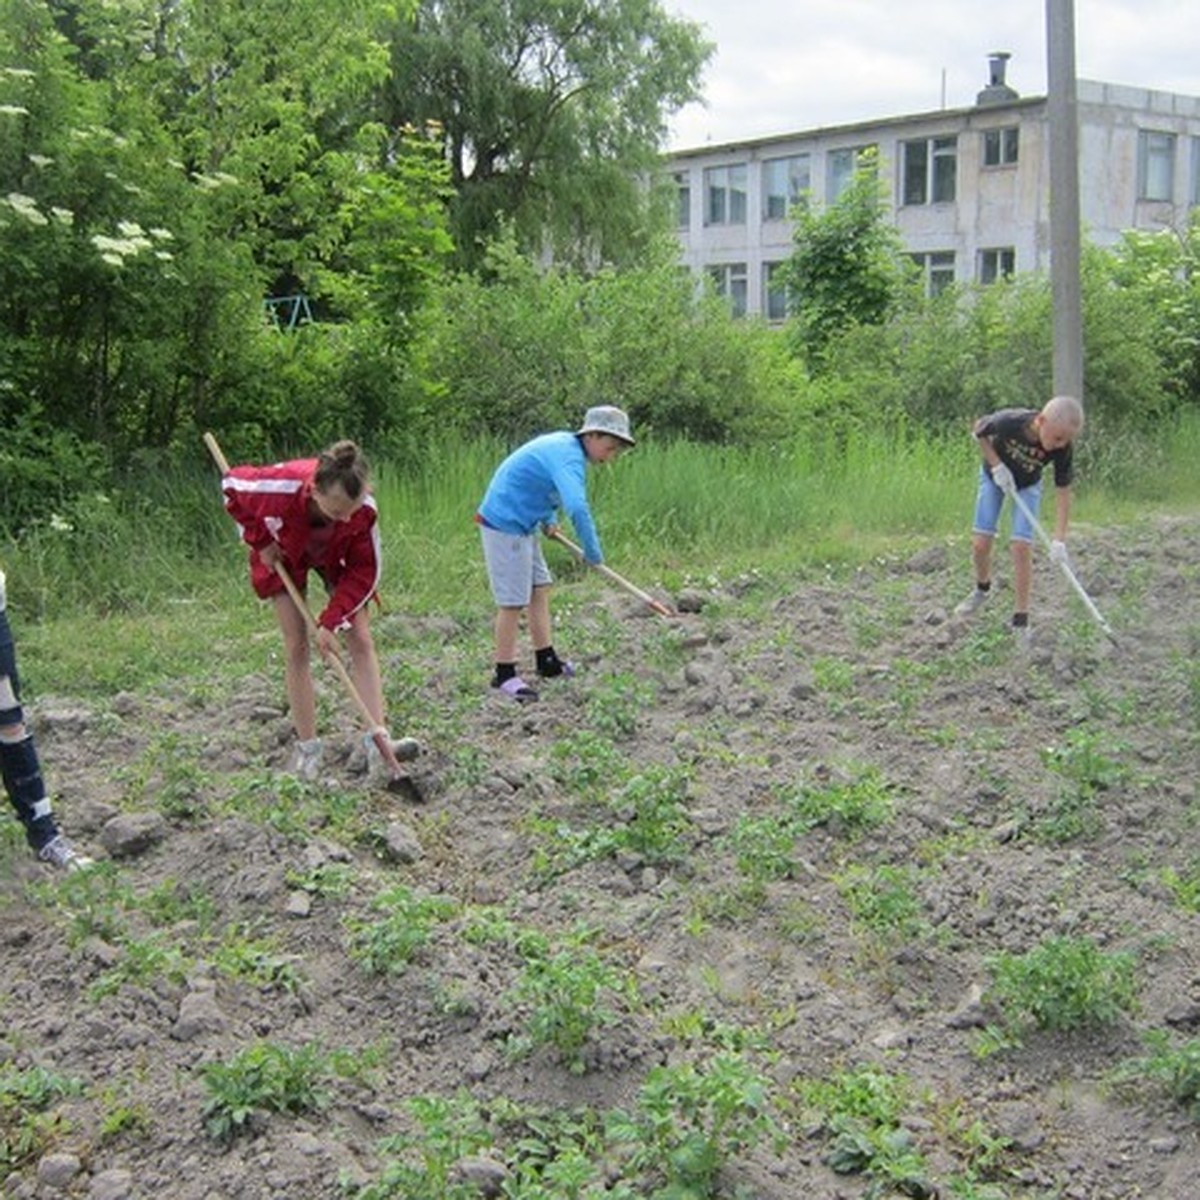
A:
{"x": 399, "y": 780}
{"x": 1066, "y": 570}
{"x": 657, "y": 605}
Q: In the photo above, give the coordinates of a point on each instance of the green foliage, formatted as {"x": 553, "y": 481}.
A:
{"x": 860, "y": 1113}
{"x": 569, "y": 993}
{"x": 586, "y": 761}
{"x": 883, "y": 900}
{"x": 550, "y": 113}
{"x": 647, "y": 819}
{"x": 27, "y": 1128}
{"x": 388, "y": 945}
{"x": 529, "y": 349}
{"x": 1176, "y": 1069}
{"x": 263, "y": 1078}
{"x": 1063, "y": 984}
{"x": 847, "y": 267}
{"x": 691, "y": 1119}
{"x": 849, "y": 807}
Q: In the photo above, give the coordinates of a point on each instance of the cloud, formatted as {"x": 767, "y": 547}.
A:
{"x": 782, "y": 66}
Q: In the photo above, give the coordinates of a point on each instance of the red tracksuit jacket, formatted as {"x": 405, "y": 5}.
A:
{"x": 270, "y": 504}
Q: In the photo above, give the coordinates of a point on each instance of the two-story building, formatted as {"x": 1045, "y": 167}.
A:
{"x": 968, "y": 188}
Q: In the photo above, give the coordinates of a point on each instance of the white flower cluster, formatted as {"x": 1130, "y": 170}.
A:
{"x": 132, "y": 241}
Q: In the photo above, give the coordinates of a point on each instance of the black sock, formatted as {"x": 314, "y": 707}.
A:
{"x": 548, "y": 662}
{"x": 504, "y": 672}
{"x": 1020, "y": 620}
{"x": 984, "y": 587}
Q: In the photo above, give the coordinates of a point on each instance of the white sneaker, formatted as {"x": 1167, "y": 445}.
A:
{"x": 60, "y": 854}
{"x": 306, "y": 759}
{"x": 1023, "y": 638}
{"x": 973, "y": 603}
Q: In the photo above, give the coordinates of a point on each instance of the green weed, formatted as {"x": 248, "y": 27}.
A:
{"x": 570, "y": 993}
{"x": 585, "y": 761}
{"x": 28, "y": 1129}
{"x": 859, "y": 1115}
{"x": 614, "y": 706}
{"x": 1063, "y": 984}
{"x": 883, "y": 900}
{"x": 388, "y": 945}
{"x": 261, "y": 1079}
{"x": 256, "y": 960}
{"x": 1175, "y": 1069}
{"x": 141, "y": 961}
{"x": 691, "y": 1119}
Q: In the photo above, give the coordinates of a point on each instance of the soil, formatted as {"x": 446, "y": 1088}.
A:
{"x": 1034, "y": 794}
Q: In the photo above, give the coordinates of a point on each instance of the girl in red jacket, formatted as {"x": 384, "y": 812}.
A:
{"x": 314, "y": 513}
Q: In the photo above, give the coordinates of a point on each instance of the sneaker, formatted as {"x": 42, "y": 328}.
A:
{"x": 59, "y": 853}
{"x": 973, "y": 603}
{"x": 1023, "y": 638}
{"x": 306, "y": 759}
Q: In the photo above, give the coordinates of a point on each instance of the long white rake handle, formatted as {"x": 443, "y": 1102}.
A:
{"x": 657, "y": 605}
{"x": 1066, "y": 568}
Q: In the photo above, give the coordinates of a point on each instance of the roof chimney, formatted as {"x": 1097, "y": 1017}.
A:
{"x": 997, "y": 91}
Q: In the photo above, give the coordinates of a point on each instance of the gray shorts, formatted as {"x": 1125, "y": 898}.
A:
{"x": 515, "y": 566}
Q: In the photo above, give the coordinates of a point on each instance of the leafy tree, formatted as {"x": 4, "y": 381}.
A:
{"x": 847, "y": 267}
{"x": 549, "y": 109}
{"x": 164, "y": 166}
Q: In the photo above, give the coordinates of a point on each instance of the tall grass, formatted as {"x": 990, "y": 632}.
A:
{"x": 156, "y": 572}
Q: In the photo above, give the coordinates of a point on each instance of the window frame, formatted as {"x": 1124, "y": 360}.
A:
{"x": 723, "y": 179}
{"x": 933, "y": 265}
{"x": 795, "y": 191}
{"x": 929, "y": 170}
{"x": 831, "y": 176}
{"x": 1151, "y": 160}
{"x": 732, "y": 282}
{"x": 683, "y": 199}
{"x": 992, "y": 267}
{"x": 1008, "y": 149}
{"x": 772, "y": 296}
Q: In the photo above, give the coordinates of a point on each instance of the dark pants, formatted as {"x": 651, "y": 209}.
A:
{"x": 18, "y": 756}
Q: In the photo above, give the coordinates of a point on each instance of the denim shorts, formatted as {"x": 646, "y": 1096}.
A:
{"x": 515, "y": 566}
{"x": 989, "y": 501}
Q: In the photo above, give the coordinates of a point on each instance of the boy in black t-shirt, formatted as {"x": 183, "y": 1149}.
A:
{"x": 1016, "y": 445}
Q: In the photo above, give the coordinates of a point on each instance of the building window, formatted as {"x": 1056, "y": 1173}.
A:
{"x": 1156, "y": 165}
{"x": 1194, "y": 198}
{"x": 777, "y": 296}
{"x": 725, "y": 189}
{"x": 683, "y": 200}
{"x": 729, "y": 280}
{"x": 785, "y": 182}
{"x": 1000, "y": 263}
{"x": 840, "y": 166}
{"x": 937, "y": 270}
{"x": 1000, "y": 146}
{"x": 929, "y": 170}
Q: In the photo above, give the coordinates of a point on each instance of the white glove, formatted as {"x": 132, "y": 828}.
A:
{"x": 1058, "y": 553}
{"x": 1002, "y": 477}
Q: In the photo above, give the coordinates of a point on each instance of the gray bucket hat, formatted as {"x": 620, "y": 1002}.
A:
{"x": 606, "y": 418}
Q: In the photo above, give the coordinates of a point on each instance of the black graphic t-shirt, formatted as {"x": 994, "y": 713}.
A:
{"x": 1015, "y": 440}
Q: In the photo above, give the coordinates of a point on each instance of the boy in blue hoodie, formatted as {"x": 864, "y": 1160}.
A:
{"x": 525, "y": 494}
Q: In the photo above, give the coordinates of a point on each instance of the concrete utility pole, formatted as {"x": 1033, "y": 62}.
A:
{"x": 1064, "y": 198}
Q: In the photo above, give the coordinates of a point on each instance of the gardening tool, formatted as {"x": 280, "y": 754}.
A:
{"x": 399, "y": 780}
{"x": 1066, "y": 569}
{"x": 657, "y": 605}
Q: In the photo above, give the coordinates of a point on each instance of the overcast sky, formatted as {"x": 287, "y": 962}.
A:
{"x": 786, "y": 65}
